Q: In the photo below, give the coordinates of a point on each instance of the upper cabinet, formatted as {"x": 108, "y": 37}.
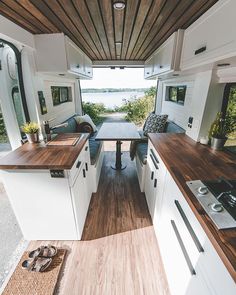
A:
{"x": 57, "y": 54}
{"x": 166, "y": 59}
{"x": 212, "y": 37}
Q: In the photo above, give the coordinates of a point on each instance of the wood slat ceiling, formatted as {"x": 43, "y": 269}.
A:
{"x": 102, "y": 32}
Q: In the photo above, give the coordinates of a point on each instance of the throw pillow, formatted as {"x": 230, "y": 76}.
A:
{"x": 86, "y": 118}
{"x": 155, "y": 124}
{"x": 84, "y": 128}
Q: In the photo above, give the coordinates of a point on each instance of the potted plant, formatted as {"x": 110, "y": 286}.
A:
{"x": 31, "y": 129}
{"x": 220, "y": 129}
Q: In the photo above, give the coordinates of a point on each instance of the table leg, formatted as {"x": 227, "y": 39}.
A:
{"x": 118, "y": 165}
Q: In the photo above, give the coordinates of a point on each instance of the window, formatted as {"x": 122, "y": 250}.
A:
{"x": 61, "y": 94}
{"x": 229, "y": 110}
{"x": 176, "y": 94}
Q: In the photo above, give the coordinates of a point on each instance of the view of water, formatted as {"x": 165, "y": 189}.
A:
{"x": 110, "y": 99}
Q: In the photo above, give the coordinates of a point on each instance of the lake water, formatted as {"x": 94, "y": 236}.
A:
{"x": 110, "y": 99}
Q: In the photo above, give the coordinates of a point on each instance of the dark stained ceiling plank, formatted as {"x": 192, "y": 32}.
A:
{"x": 75, "y": 19}
{"x": 94, "y": 8}
{"x": 18, "y": 19}
{"x": 177, "y": 21}
{"x": 131, "y": 9}
{"x": 107, "y": 16}
{"x": 18, "y": 9}
{"x": 155, "y": 10}
{"x": 85, "y": 17}
{"x": 102, "y": 32}
{"x": 164, "y": 14}
{"x": 38, "y": 15}
{"x": 144, "y": 8}
{"x": 55, "y": 18}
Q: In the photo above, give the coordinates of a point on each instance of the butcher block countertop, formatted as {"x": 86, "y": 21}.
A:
{"x": 43, "y": 156}
{"x": 187, "y": 160}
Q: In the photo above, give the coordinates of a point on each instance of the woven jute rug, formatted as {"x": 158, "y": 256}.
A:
{"x": 23, "y": 282}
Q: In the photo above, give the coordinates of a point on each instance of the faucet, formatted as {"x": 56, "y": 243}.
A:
{"x": 47, "y": 128}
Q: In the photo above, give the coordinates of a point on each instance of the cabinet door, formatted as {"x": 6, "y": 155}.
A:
{"x": 212, "y": 37}
{"x": 75, "y": 58}
{"x": 88, "y": 67}
{"x": 148, "y": 67}
{"x": 149, "y": 187}
{"x": 80, "y": 200}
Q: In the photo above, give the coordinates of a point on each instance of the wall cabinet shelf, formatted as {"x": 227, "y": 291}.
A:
{"x": 212, "y": 37}
{"x": 57, "y": 54}
{"x": 166, "y": 59}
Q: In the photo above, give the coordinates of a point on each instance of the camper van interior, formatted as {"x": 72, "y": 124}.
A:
{"x": 120, "y": 206}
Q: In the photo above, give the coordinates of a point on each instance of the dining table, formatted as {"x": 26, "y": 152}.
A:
{"x": 119, "y": 132}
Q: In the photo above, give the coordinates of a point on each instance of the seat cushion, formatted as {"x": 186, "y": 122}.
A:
{"x": 70, "y": 128}
{"x": 95, "y": 148}
{"x": 155, "y": 124}
{"x": 141, "y": 152}
{"x": 171, "y": 127}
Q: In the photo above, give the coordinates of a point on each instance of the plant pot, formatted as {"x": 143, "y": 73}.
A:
{"x": 33, "y": 137}
{"x": 218, "y": 143}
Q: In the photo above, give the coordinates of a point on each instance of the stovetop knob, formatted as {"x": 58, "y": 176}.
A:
{"x": 203, "y": 190}
{"x": 217, "y": 207}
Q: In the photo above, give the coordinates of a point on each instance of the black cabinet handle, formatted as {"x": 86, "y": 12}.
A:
{"x": 185, "y": 253}
{"x": 86, "y": 148}
{"x": 155, "y": 157}
{"x": 152, "y": 175}
{"x": 189, "y": 227}
{"x": 78, "y": 164}
{"x": 155, "y": 183}
{"x": 148, "y": 73}
{"x": 86, "y": 166}
{"x": 84, "y": 173}
{"x": 153, "y": 161}
{"x": 200, "y": 50}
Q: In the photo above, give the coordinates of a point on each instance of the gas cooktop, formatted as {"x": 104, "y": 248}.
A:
{"x": 218, "y": 198}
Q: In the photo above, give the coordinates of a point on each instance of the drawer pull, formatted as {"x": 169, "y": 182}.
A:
{"x": 189, "y": 227}
{"x": 86, "y": 148}
{"x": 86, "y": 166}
{"x": 84, "y": 173}
{"x": 152, "y": 175}
{"x": 187, "y": 259}
{"x": 200, "y": 50}
{"x": 153, "y": 161}
{"x": 155, "y": 183}
{"x": 78, "y": 164}
{"x": 155, "y": 157}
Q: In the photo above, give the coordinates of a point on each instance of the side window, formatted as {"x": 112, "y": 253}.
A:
{"x": 229, "y": 111}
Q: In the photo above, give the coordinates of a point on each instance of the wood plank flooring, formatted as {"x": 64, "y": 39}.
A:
{"x": 119, "y": 253}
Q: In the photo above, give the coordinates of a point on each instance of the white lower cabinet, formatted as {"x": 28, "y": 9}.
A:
{"x": 191, "y": 263}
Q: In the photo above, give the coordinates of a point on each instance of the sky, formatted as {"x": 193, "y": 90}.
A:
{"x": 127, "y": 78}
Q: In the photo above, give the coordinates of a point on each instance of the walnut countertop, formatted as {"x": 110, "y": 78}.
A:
{"x": 42, "y": 156}
{"x": 187, "y": 160}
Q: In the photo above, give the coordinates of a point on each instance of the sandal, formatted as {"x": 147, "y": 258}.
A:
{"x": 44, "y": 252}
{"x": 37, "y": 264}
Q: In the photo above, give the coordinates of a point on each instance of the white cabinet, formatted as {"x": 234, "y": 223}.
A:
{"x": 191, "y": 262}
{"x": 212, "y": 37}
{"x": 166, "y": 58}
{"x": 57, "y": 54}
{"x": 154, "y": 181}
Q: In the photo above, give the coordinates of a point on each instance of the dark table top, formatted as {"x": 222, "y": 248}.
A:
{"x": 118, "y": 131}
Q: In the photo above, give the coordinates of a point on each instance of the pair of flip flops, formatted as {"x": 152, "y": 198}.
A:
{"x": 40, "y": 259}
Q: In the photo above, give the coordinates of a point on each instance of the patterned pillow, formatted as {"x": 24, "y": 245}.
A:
{"x": 155, "y": 124}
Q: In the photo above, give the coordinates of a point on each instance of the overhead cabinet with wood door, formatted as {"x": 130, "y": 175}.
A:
{"x": 57, "y": 54}
{"x": 212, "y": 37}
{"x": 166, "y": 59}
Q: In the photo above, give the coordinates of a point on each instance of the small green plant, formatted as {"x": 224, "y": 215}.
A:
{"x": 222, "y": 126}
{"x": 30, "y": 128}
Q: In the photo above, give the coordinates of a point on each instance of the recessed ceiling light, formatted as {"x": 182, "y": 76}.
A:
{"x": 119, "y": 4}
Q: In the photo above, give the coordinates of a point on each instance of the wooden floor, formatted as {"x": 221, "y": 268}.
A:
{"x": 119, "y": 252}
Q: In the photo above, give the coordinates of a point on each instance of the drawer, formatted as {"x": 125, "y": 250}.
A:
{"x": 74, "y": 171}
